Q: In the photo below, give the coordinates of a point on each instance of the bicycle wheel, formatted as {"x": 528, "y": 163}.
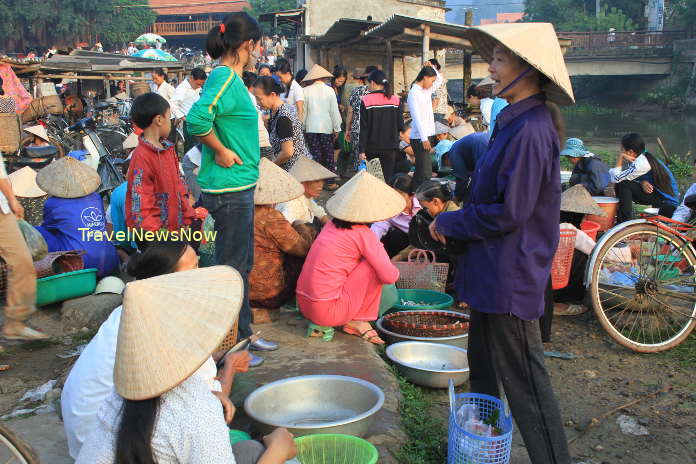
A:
{"x": 13, "y": 450}
{"x": 52, "y": 140}
{"x": 644, "y": 288}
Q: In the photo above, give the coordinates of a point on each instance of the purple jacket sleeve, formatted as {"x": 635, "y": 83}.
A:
{"x": 519, "y": 178}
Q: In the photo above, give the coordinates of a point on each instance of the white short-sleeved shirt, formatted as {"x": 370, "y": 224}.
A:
{"x": 190, "y": 428}
{"x": 296, "y": 94}
{"x": 91, "y": 380}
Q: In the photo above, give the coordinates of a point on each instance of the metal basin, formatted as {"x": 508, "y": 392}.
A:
{"x": 460, "y": 341}
{"x": 316, "y": 404}
{"x": 430, "y": 364}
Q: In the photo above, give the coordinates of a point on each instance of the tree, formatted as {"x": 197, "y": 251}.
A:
{"x": 259, "y": 7}
{"x": 577, "y": 15}
{"x": 685, "y": 14}
{"x": 118, "y": 25}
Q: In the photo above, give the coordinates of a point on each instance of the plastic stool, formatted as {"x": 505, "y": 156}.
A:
{"x": 327, "y": 332}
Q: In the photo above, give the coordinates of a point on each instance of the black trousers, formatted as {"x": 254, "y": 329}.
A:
{"x": 424, "y": 165}
{"x": 395, "y": 241}
{"x": 629, "y": 191}
{"x": 504, "y": 346}
{"x": 387, "y": 159}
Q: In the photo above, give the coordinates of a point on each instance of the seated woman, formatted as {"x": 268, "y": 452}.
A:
{"x": 91, "y": 378}
{"x": 73, "y": 216}
{"x": 341, "y": 281}
{"x": 162, "y": 409}
{"x": 279, "y": 246}
{"x": 40, "y": 136}
{"x": 646, "y": 180}
{"x": 284, "y": 126}
{"x": 304, "y": 209}
{"x": 393, "y": 232}
{"x": 588, "y": 170}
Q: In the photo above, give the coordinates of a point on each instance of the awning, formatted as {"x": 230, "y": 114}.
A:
{"x": 282, "y": 16}
{"x": 344, "y": 30}
{"x": 408, "y": 31}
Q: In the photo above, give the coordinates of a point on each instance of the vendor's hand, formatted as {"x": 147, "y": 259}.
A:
{"x": 363, "y": 156}
{"x": 16, "y": 207}
{"x": 435, "y": 234}
{"x": 238, "y": 361}
{"x": 227, "y": 406}
{"x": 426, "y": 145}
{"x": 227, "y": 158}
{"x": 335, "y": 137}
{"x": 647, "y": 187}
{"x": 346, "y": 136}
{"x": 281, "y": 443}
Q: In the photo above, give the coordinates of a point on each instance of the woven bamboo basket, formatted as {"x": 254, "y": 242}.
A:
{"x": 52, "y": 104}
{"x": 230, "y": 339}
{"x": 9, "y": 133}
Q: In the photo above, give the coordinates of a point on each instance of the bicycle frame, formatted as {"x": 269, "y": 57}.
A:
{"x": 659, "y": 221}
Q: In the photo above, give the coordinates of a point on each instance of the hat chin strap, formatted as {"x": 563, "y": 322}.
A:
{"x": 513, "y": 83}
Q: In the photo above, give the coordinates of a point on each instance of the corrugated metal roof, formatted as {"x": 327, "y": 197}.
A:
{"x": 191, "y": 7}
{"x": 280, "y": 14}
{"x": 345, "y": 29}
{"x": 87, "y": 61}
{"x": 395, "y": 26}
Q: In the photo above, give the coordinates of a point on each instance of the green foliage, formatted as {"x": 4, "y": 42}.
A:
{"x": 685, "y": 13}
{"x": 574, "y": 15}
{"x": 117, "y": 26}
{"x": 427, "y": 435}
{"x": 259, "y": 7}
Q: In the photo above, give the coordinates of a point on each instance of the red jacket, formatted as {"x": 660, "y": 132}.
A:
{"x": 157, "y": 197}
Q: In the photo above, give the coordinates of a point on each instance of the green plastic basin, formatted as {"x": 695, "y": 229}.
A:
{"x": 426, "y": 299}
{"x": 65, "y": 286}
{"x": 335, "y": 449}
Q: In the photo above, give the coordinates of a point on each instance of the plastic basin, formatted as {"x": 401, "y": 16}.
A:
{"x": 610, "y": 205}
{"x": 424, "y": 299}
{"x": 65, "y": 286}
{"x": 334, "y": 449}
{"x": 590, "y": 228}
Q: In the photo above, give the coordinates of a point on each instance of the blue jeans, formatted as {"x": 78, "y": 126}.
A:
{"x": 234, "y": 244}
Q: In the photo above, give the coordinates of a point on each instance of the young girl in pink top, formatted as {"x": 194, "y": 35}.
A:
{"x": 342, "y": 277}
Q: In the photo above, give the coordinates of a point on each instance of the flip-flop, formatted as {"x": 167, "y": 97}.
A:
{"x": 26, "y": 334}
{"x": 571, "y": 310}
{"x": 369, "y": 335}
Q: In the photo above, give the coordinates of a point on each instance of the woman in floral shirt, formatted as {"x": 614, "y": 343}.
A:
{"x": 353, "y": 122}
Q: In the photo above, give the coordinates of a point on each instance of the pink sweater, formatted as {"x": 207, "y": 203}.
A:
{"x": 334, "y": 255}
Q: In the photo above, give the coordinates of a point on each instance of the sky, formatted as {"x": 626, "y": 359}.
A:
{"x": 482, "y": 9}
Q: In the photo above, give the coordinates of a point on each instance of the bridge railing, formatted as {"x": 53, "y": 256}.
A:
{"x": 183, "y": 28}
{"x": 599, "y": 41}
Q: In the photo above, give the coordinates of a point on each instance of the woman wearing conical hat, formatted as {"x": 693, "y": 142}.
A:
{"x": 510, "y": 227}
{"x": 73, "y": 217}
{"x": 279, "y": 246}
{"x": 312, "y": 175}
{"x": 341, "y": 281}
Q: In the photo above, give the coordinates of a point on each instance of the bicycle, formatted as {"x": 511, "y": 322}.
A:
{"x": 642, "y": 280}
{"x": 14, "y": 450}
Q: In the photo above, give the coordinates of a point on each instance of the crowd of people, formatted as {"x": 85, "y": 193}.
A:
{"x": 263, "y": 143}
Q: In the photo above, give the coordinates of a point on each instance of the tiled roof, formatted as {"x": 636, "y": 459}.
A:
{"x": 191, "y": 7}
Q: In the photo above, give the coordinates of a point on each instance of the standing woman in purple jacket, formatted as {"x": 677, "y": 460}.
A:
{"x": 510, "y": 228}
{"x": 382, "y": 122}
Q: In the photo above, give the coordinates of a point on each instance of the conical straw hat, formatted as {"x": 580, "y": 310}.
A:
{"x": 365, "y": 199}
{"x": 317, "y": 72}
{"x": 170, "y": 324}
{"x": 537, "y": 44}
{"x": 68, "y": 178}
{"x": 38, "y": 131}
{"x": 275, "y": 185}
{"x": 578, "y": 200}
{"x": 307, "y": 170}
{"x": 24, "y": 183}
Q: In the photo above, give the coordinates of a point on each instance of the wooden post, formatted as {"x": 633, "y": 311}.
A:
{"x": 425, "y": 53}
{"x": 390, "y": 64}
{"x": 466, "y": 80}
{"x": 322, "y": 57}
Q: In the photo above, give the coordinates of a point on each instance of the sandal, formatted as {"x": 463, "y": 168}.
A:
{"x": 369, "y": 335}
{"x": 569, "y": 310}
{"x": 4, "y": 367}
{"x": 26, "y": 334}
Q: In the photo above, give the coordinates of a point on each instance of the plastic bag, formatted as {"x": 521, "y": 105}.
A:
{"x": 34, "y": 240}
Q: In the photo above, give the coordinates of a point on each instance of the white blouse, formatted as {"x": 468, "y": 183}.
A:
{"x": 190, "y": 428}
{"x": 420, "y": 106}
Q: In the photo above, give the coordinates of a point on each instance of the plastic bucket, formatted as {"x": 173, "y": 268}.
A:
{"x": 610, "y": 205}
{"x": 590, "y": 228}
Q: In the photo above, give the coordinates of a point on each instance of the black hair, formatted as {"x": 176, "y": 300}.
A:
{"x": 156, "y": 258}
{"x": 249, "y": 78}
{"x": 338, "y": 71}
{"x": 574, "y": 219}
{"x": 283, "y": 67}
{"x": 268, "y": 85}
{"x": 369, "y": 70}
{"x": 2, "y": 91}
{"x": 432, "y": 189}
{"x": 403, "y": 183}
{"x": 160, "y": 72}
{"x": 660, "y": 175}
{"x": 341, "y": 224}
{"x": 239, "y": 27}
{"x": 301, "y": 74}
{"x": 378, "y": 77}
{"x": 426, "y": 71}
{"x": 146, "y": 107}
{"x": 199, "y": 74}
{"x": 436, "y": 64}
{"x": 134, "y": 439}
{"x": 473, "y": 91}
{"x": 265, "y": 65}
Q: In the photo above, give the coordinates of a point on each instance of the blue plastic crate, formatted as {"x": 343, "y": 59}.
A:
{"x": 466, "y": 448}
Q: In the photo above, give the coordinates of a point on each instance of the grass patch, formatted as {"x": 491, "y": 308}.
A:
{"x": 80, "y": 338}
{"x": 38, "y": 344}
{"x": 427, "y": 433}
{"x": 684, "y": 353}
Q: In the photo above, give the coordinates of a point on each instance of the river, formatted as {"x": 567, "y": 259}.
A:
{"x": 602, "y": 128}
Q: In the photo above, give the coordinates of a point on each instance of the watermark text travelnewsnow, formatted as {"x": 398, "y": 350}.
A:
{"x": 140, "y": 235}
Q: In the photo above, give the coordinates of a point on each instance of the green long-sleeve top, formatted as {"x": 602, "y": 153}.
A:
{"x": 226, "y": 109}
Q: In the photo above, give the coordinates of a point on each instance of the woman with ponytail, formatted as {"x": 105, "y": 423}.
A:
{"x": 509, "y": 231}
{"x": 646, "y": 180}
{"x": 226, "y": 122}
{"x": 381, "y": 123}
